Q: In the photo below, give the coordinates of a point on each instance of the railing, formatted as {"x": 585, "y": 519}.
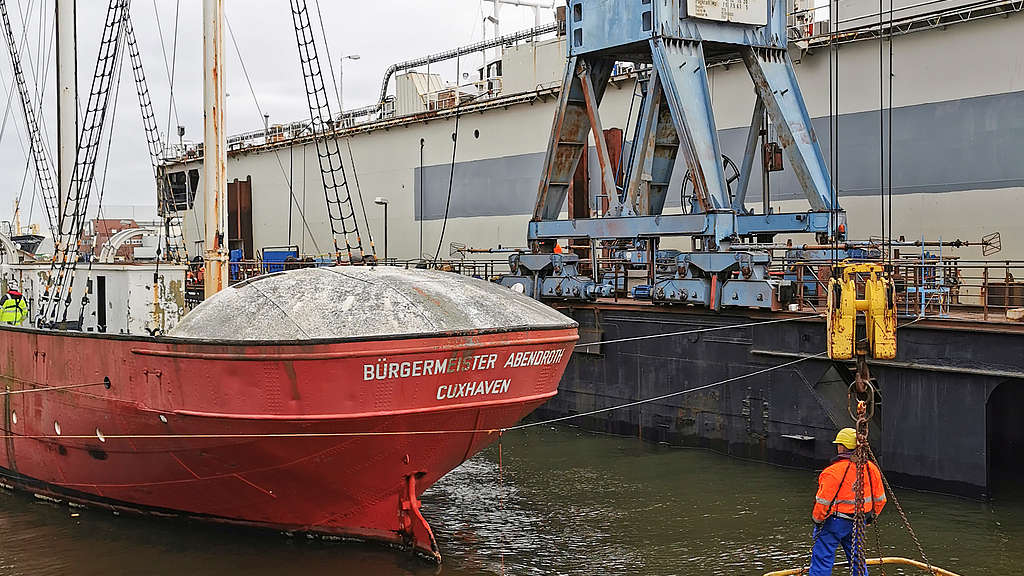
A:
{"x": 926, "y": 285}
{"x": 815, "y": 25}
{"x": 929, "y": 285}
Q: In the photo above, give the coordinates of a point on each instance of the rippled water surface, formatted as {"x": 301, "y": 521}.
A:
{"x": 568, "y": 503}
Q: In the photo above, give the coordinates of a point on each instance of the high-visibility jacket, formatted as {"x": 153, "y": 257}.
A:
{"x": 835, "y": 490}
{"x": 14, "y": 311}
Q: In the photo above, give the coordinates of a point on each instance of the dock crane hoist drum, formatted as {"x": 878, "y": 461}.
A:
{"x": 878, "y": 305}
{"x": 687, "y": 196}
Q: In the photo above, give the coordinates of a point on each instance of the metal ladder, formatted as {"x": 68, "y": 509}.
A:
{"x": 56, "y": 298}
{"x": 43, "y": 165}
{"x": 340, "y": 208}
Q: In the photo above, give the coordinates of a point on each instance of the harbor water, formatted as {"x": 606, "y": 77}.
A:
{"x": 555, "y": 500}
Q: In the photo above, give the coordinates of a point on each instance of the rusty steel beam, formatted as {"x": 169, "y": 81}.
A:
{"x": 683, "y": 73}
{"x": 608, "y": 187}
{"x": 776, "y": 85}
{"x": 749, "y": 152}
{"x": 569, "y": 134}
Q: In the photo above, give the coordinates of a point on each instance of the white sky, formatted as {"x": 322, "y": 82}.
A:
{"x": 381, "y": 32}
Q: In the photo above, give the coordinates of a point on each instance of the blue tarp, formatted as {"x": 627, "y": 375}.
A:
{"x": 273, "y": 260}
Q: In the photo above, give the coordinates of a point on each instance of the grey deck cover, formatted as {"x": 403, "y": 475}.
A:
{"x": 349, "y": 302}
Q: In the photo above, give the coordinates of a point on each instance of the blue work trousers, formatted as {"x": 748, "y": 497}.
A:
{"x": 833, "y": 532}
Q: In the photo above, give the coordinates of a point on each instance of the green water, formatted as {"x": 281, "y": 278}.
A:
{"x": 570, "y": 503}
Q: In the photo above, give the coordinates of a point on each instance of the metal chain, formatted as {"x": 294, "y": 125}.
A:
{"x": 878, "y": 543}
{"x": 906, "y": 522}
{"x": 859, "y": 461}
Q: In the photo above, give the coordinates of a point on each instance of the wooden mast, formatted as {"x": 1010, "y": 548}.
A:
{"x": 214, "y": 150}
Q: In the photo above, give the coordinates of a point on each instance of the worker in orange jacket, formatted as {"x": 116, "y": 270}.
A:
{"x": 835, "y": 506}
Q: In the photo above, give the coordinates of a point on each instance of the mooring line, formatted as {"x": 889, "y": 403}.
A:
{"x": 53, "y": 388}
{"x": 663, "y": 396}
{"x": 699, "y": 330}
{"x": 412, "y": 432}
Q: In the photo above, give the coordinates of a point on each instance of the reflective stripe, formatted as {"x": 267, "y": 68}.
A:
{"x": 867, "y": 500}
{"x": 13, "y": 311}
{"x": 821, "y": 501}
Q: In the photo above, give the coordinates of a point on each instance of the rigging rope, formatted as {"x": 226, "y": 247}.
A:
{"x": 664, "y": 396}
{"x": 167, "y": 206}
{"x": 277, "y": 156}
{"x": 101, "y": 192}
{"x": 44, "y": 168}
{"x": 172, "y": 105}
{"x": 889, "y": 251}
{"x": 46, "y": 47}
{"x": 56, "y": 298}
{"x": 881, "y": 123}
{"x": 699, "y": 330}
{"x": 833, "y": 124}
{"x": 359, "y": 191}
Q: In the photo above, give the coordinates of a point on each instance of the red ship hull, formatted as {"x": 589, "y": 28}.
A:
{"x": 336, "y": 438}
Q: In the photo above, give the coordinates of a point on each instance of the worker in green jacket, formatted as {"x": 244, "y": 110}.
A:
{"x": 15, "y": 309}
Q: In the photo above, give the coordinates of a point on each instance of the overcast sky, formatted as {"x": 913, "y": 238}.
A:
{"x": 381, "y": 32}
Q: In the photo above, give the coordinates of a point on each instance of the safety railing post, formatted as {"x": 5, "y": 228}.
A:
{"x": 617, "y": 270}
{"x": 652, "y": 256}
{"x": 984, "y": 292}
{"x": 1006, "y": 289}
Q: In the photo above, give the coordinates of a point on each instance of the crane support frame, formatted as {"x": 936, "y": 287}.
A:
{"x": 675, "y": 41}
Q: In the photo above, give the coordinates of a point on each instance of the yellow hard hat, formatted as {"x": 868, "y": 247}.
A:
{"x": 847, "y": 437}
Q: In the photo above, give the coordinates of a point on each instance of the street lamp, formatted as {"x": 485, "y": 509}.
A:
{"x": 382, "y": 201}
{"x": 341, "y": 82}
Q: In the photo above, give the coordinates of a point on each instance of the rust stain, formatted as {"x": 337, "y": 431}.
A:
{"x": 289, "y": 370}
{"x": 427, "y": 296}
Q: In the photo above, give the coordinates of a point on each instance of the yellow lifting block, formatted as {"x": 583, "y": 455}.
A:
{"x": 878, "y": 305}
